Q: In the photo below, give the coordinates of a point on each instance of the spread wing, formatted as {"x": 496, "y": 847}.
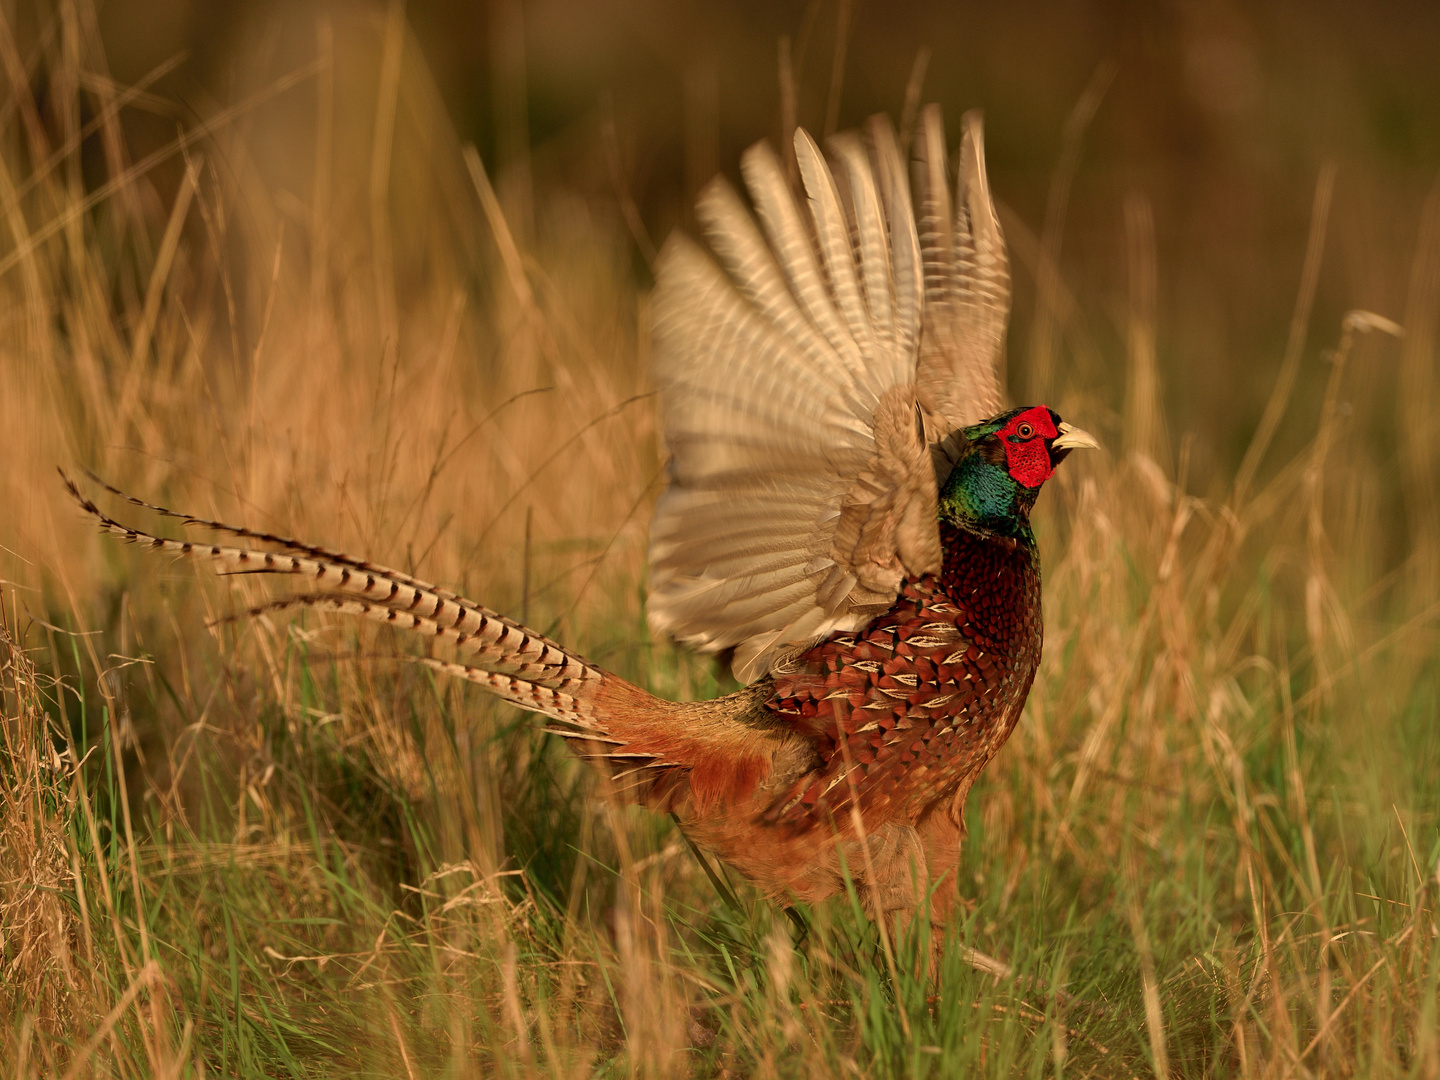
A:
{"x": 809, "y": 367}
{"x": 967, "y": 285}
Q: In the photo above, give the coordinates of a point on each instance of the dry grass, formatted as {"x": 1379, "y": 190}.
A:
{"x": 275, "y": 847}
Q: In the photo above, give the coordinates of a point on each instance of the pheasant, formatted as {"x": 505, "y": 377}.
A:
{"x": 847, "y": 515}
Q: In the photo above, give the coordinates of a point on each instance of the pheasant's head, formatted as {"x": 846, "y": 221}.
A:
{"x": 1003, "y": 462}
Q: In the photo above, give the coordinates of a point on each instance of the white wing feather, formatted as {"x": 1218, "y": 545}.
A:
{"x": 967, "y": 282}
{"x": 793, "y": 368}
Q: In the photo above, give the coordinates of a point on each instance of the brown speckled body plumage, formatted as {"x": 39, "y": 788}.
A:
{"x": 899, "y": 719}
{"x": 917, "y": 702}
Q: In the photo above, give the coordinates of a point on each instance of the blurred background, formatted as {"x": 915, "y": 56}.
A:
{"x": 1221, "y": 115}
{"x": 251, "y": 267}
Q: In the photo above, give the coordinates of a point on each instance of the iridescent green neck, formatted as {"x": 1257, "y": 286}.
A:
{"x": 982, "y": 497}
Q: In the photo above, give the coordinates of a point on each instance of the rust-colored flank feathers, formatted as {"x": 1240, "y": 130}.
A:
{"x": 846, "y": 513}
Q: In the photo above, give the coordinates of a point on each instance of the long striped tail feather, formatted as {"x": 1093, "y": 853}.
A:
{"x": 536, "y": 660}
{"x": 634, "y": 773}
{"x": 287, "y": 544}
{"x": 379, "y": 593}
{"x": 653, "y": 750}
{"x": 569, "y": 700}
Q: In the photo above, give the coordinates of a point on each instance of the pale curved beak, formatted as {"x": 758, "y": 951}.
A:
{"x": 1074, "y": 438}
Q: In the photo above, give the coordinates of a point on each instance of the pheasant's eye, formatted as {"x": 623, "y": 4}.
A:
{"x": 1025, "y": 431}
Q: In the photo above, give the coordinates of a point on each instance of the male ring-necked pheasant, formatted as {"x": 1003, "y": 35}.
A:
{"x": 847, "y": 511}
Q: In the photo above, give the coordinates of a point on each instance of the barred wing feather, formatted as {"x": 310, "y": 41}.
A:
{"x": 793, "y": 376}
{"x": 967, "y": 282}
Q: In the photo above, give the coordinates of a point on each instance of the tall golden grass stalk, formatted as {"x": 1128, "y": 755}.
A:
{"x": 274, "y": 845}
{"x": 45, "y": 985}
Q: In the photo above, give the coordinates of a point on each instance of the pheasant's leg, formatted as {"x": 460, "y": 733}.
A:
{"x": 941, "y": 838}
{"x": 896, "y": 873}
{"x": 942, "y": 835}
{"x": 888, "y": 870}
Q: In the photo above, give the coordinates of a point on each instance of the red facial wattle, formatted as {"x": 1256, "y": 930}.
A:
{"x": 1024, "y": 438}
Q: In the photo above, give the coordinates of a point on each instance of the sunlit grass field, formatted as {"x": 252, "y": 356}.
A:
{"x": 274, "y": 846}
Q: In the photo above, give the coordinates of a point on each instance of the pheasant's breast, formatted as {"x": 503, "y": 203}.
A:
{"x": 909, "y": 710}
